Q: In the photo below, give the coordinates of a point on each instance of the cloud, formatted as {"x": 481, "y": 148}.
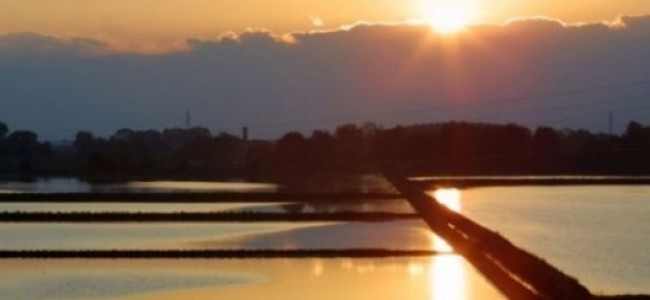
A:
{"x": 34, "y": 44}
{"x": 317, "y": 21}
{"x": 641, "y": 23}
{"x": 389, "y": 73}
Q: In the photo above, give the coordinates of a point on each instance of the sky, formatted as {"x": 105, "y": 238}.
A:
{"x": 69, "y": 65}
{"x": 155, "y": 22}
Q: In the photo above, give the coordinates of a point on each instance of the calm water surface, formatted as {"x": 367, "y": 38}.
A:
{"x": 369, "y": 206}
{"x": 442, "y": 277}
{"x": 445, "y": 276}
{"x": 73, "y": 185}
{"x": 599, "y": 234}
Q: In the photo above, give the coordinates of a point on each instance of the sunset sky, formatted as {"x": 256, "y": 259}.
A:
{"x": 162, "y": 23}
{"x": 69, "y": 65}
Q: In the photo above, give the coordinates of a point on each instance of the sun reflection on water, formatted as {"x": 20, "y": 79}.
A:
{"x": 318, "y": 268}
{"x": 448, "y": 278}
{"x": 449, "y": 197}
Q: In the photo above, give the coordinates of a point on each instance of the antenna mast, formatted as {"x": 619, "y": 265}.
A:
{"x": 611, "y": 122}
{"x": 188, "y": 118}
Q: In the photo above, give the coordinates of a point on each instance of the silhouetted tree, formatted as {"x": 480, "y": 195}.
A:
{"x": 4, "y": 129}
{"x": 228, "y": 148}
{"x": 84, "y": 142}
{"x": 22, "y": 142}
{"x": 635, "y": 149}
{"x": 23, "y": 145}
{"x": 441, "y": 148}
{"x": 321, "y": 149}
{"x": 291, "y": 149}
{"x": 545, "y": 149}
{"x": 350, "y": 144}
{"x": 636, "y": 135}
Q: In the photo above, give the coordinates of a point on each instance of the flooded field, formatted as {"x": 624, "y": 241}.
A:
{"x": 597, "y": 234}
{"x": 440, "y": 277}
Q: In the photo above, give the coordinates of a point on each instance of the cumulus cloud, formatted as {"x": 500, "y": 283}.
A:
{"x": 387, "y": 73}
{"x": 34, "y": 44}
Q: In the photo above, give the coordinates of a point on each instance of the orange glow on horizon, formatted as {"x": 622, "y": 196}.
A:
{"x": 161, "y": 23}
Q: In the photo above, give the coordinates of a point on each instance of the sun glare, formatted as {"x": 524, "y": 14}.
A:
{"x": 451, "y": 198}
{"x": 448, "y": 16}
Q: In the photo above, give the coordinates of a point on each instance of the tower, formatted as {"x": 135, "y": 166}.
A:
{"x": 188, "y": 118}
{"x": 611, "y": 122}
{"x": 244, "y": 133}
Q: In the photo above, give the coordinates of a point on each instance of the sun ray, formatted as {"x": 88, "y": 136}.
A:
{"x": 448, "y": 16}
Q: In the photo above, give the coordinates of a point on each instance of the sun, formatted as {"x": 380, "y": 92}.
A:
{"x": 448, "y": 16}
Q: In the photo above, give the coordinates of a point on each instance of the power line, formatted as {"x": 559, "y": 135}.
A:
{"x": 476, "y": 105}
{"x": 598, "y": 114}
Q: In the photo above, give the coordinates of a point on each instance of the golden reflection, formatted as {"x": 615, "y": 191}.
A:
{"x": 448, "y": 278}
{"x": 441, "y": 245}
{"x": 359, "y": 267}
{"x": 317, "y": 268}
{"x": 415, "y": 269}
{"x": 449, "y": 197}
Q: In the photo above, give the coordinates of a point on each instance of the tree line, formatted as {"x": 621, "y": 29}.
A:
{"x": 450, "y": 148}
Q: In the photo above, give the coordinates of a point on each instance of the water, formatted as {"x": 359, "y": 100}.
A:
{"x": 302, "y": 184}
{"x": 73, "y": 185}
{"x": 598, "y": 234}
{"x": 442, "y": 277}
{"x": 80, "y": 280}
{"x": 398, "y": 206}
{"x": 445, "y": 276}
{"x": 133, "y": 236}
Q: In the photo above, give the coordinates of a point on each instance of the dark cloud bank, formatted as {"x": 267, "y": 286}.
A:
{"x": 383, "y": 73}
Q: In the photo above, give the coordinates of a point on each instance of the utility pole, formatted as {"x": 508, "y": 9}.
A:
{"x": 611, "y": 122}
{"x": 188, "y": 118}
{"x": 244, "y": 134}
